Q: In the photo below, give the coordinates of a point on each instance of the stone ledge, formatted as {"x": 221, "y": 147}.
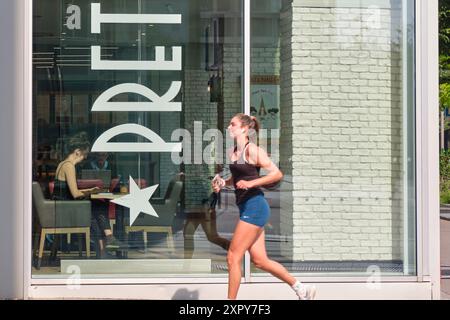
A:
{"x": 136, "y": 266}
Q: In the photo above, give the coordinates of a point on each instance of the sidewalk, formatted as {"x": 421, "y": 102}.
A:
{"x": 445, "y": 253}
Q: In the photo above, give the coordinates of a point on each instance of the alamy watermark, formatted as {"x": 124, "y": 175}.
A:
{"x": 212, "y": 146}
{"x": 73, "y": 282}
{"x": 374, "y": 279}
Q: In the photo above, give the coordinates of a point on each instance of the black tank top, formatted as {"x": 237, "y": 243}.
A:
{"x": 61, "y": 190}
{"x": 242, "y": 170}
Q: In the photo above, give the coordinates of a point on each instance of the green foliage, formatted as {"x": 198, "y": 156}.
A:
{"x": 444, "y": 27}
{"x": 444, "y": 170}
{"x": 444, "y": 41}
{"x": 444, "y": 68}
{"x": 444, "y": 60}
{"x": 444, "y": 95}
{"x": 445, "y": 197}
{"x": 444, "y": 165}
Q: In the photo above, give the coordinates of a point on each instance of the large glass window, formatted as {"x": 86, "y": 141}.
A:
{"x": 336, "y": 79}
{"x": 140, "y": 80}
{"x": 131, "y": 100}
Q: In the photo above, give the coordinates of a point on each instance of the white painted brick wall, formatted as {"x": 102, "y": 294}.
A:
{"x": 287, "y": 88}
{"x": 341, "y": 140}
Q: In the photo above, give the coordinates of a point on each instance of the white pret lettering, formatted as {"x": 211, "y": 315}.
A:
{"x": 157, "y": 103}
{"x": 155, "y": 144}
{"x": 158, "y": 64}
{"x": 98, "y": 18}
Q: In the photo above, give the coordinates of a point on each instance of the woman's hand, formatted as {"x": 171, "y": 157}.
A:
{"x": 217, "y": 183}
{"x": 216, "y": 188}
{"x": 243, "y": 184}
{"x": 93, "y": 190}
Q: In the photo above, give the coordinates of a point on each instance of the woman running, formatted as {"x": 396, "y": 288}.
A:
{"x": 246, "y": 160}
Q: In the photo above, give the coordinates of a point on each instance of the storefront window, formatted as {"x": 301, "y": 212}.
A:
{"x": 131, "y": 100}
{"x": 335, "y": 78}
{"x": 141, "y": 82}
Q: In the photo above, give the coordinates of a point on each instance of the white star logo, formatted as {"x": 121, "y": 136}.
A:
{"x": 137, "y": 201}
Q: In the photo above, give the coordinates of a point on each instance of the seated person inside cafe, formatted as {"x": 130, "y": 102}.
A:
{"x": 100, "y": 166}
{"x": 66, "y": 188}
{"x": 99, "y": 162}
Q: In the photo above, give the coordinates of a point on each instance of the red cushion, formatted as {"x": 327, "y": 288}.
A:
{"x": 112, "y": 210}
{"x": 89, "y": 183}
{"x": 51, "y": 187}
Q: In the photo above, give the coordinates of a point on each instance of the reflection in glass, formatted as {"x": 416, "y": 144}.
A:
{"x": 190, "y": 236}
{"x": 337, "y": 82}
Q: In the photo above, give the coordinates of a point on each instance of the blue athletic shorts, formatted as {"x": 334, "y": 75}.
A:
{"x": 255, "y": 210}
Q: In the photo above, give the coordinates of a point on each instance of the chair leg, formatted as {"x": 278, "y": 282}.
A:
{"x": 144, "y": 234}
{"x": 41, "y": 248}
{"x": 54, "y": 249}
{"x": 80, "y": 245}
{"x": 170, "y": 243}
{"x": 112, "y": 223}
{"x": 88, "y": 243}
{"x": 127, "y": 232}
